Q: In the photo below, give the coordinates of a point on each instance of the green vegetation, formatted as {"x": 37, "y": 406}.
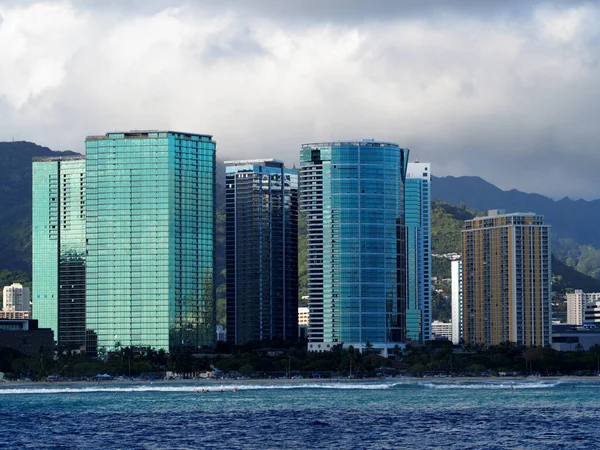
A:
{"x": 302, "y": 259}
{"x": 446, "y": 224}
{"x": 508, "y": 358}
{"x": 582, "y": 258}
{"x": 289, "y": 358}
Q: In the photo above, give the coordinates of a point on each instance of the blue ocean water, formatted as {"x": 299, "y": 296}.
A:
{"x": 416, "y": 414}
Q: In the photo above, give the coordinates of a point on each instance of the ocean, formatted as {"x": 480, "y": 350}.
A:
{"x": 395, "y": 413}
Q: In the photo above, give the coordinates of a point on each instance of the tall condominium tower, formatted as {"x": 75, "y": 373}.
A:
{"x": 457, "y": 300}
{"x": 150, "y": 230}
{"x": 16, "y": 298}
{"x": 262, "y": 251}
{"x": 506, "y": 279}
{"x": 417, "y": 209}
{"x": 59, "y": 249}
{"x": 352, "y": 195}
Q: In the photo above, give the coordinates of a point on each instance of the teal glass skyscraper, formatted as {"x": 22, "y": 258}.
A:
{"x": 417, "y": 219}
{"x": 352, "y": 195}
{"x": 262, "y": 251}
{"x": 59, "y": 253}
{"x": 150, "y": 231}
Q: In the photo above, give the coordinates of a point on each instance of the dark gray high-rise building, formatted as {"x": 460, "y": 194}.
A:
{"x": 262, "y": 251}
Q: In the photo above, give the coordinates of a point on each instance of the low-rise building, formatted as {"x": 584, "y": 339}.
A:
{"x": 441, "y": 330}
{"x": 25, "y": 336}
{"x": 22, "y": 315}
{"x": 568, "y": 338}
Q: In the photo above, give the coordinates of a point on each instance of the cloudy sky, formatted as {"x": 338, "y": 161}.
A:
{"x": 509, "y": 91}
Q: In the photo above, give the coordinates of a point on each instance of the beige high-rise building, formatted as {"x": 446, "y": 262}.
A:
{"x": 507, "y": 279}
{"x": 16, "y": 298}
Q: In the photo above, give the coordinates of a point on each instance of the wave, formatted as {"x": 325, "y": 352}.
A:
{"x": 257, "y": 386}
{"x": 493, "y": 385}
{"x": 195, "y": 388}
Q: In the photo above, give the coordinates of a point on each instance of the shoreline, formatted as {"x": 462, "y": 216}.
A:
{"x": 212, "y": 381}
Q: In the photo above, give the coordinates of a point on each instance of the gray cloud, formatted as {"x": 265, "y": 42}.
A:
{"x": 505, "y": 90}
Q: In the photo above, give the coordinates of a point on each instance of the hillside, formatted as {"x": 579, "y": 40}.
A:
{"x": 446, "y": 223}
{"x": 575, "y": 234}
{"x": 15, "y": 202}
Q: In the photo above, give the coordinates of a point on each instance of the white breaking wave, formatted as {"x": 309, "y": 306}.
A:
{"x": 226, "y": 387}
{"x": 191, "y": 388}
{"x": 492, "y": 385}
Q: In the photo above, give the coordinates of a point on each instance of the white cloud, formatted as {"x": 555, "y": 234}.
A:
{"x": 512, "y": 98}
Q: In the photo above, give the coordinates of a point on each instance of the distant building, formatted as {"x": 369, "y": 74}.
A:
{"x": 150, "y": 228}
{"x": 261, "y": 251}
{"x": 16, "y": 298}
{"x": 441, "y": 330}
{"x": 457, "y": 301}
{"x": 417, "y": 220}
{"x": 25, "y": 336}
{"x": 302, "y": 322}
{"x": 576, "y": 305}
{"x": 352, "y": 195}
{"x": 221, "y": 334}
{"x": 592, "y": 313}
{"x": 22, "y": 315}
{"x": 59, "y": 247}
{"x": 507, "y": 279}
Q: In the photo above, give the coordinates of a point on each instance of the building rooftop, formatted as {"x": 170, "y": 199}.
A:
{"x": 255, "y": 162}
{"x": 493, "y": 213}
{"x": 357, "y": 142}
{"x": 136, "y": 134}
{"x": 57, "y": 158}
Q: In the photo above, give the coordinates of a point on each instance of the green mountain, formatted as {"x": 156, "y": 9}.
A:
{"x": 446, "y": 223}
{"x": 575, "y": 233}
{"x": 15, "y": 202}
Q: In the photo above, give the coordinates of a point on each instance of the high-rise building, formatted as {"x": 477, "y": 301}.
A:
{"x": 16, "y": 298}
{"x": 59, "y": 247}
{"x": 507, "y": 279}
{"x": 352, "y": 195}
{"x": 576, "y": 304}
{"x": 262, "y": 251}
{"x": 417, "y": 217}
{"x": 457, "y": 301}
{"x": 150, "y": 230}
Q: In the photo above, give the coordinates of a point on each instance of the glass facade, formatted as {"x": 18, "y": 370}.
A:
{"x": 150, "y": 230}
{"x": 352, "y": 194}
{"x": 417, "y": 206}
{"x": 261, "y": 251}
{"x": 59, "y": 247}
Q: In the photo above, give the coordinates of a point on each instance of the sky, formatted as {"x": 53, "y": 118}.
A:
{"x": 508, "y": 90}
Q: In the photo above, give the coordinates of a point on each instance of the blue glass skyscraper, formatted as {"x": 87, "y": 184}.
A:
{"x": 150, "y": 231}
{"x": 417, "y": 219}
{"x": 59, "y": 247}
{"x": 352, "y": 195}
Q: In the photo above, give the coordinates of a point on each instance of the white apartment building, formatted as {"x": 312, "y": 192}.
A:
{"x": 441, "y": 330}
{"x": 576, "y": 305}
{"x": 457, "y": 301}
{"x": 16, "y": 298}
